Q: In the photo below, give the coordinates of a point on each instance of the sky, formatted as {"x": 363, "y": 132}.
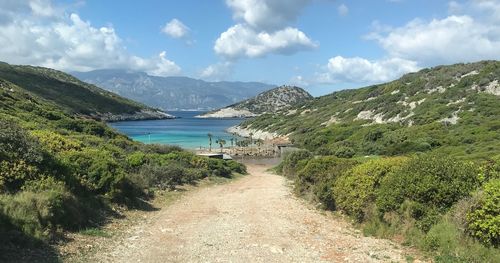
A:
{"x": 320, "y": 45}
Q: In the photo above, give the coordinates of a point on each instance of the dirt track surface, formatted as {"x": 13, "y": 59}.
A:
{"x": 253, "y": 219}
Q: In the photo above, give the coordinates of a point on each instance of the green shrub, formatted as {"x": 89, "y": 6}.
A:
{"x": 293, "y": 162}
{"x": 484, "y": 219}
{"x": 318, "y": 178}
{"x": 432, "y": 183}
{"x": 356, "y": 191}
{"x": 344, "y": 152}
{"x": 42, "y": 208}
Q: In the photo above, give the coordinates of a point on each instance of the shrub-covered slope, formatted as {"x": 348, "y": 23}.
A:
{"x": 269, "y": 101}
{"x": 61, "y": 171}
{"x": 74, "y": 95}
{"x": 447, "y": 208}
{"x": 451, "y": 108}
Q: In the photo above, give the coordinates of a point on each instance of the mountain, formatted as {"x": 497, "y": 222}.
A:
{"x": 172, "y": 93}
{"x": 269, "y": 101}
{"x": 75, "y": 96}
{"x": 454, "y": 109}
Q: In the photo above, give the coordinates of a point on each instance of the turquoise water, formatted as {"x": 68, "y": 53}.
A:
{"x": 186, "y": 131}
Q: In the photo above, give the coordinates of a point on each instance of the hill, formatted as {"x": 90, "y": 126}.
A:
{"x": 75, "y": 96}
{"x": 269, "y": 101}
{"x": 172, "y": 93}
{"x": 453, "y": 109}
{"x": 62, "y": 171}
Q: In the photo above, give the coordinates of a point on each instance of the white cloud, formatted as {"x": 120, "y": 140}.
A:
{"x": 298, "y": 81}
{"x": 360, "y": 70}
{"x": 176, "y": 29}
{"x": 33, "y": 36}
{"x": 343, "y": 10}
{"x": 216, "y": 71}
{"x": 264, "y": 29}
{"x": 470, "y": 33}
{"x": 441, "y": 41}
{"x": 242, "y": 41}
{"x": 267, "y": 15}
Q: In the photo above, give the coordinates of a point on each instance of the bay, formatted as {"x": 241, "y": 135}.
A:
{"x": 185, "y": 131}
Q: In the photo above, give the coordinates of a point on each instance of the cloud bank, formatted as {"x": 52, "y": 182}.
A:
{"x": 38, "y": 33}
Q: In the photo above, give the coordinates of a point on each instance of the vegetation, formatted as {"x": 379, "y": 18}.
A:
{"x": 415, "y": 159}
{"x": 69, "y": 93}
{"x": 449, "y": 109}
{"x": 60, "y": 171}
{"x": 438, "y": 203}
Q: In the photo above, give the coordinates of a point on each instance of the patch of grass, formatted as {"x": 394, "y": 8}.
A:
{"x": 95, "y": 232}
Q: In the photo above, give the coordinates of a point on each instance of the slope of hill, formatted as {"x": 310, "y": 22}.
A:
{"x": 446, "y": 107}
{"x": 172, "y": 93}
{"x": 269, "y": 101}
{"x": 62, "y": 171}
{"x": 76, "y": 96}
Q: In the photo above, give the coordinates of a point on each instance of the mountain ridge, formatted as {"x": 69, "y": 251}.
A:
{"x": 75, "y": 96}
{"x": 172, "y": 93}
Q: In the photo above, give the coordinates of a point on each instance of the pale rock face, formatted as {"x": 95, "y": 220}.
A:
{"x": 228, "y": 113}
{"x": 331, "y": 121}
{"x": 395, "y": 92}
{"x": 474, "y": 72}
{"x": 438, "y": 89}
{"x": 493, "y": 88}
{"x": 256, "y": 134}
{"x": 453, "y": 119}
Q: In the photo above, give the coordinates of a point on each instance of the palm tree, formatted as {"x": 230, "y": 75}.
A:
{"x": 210, "y": 141}
{"x": 259, "y": 144}
{"x": 221, "y": 142}
{"x": 251, "y": 134}
{"x": 232, "y": 145}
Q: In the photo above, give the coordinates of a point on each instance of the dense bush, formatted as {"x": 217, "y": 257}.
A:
{"x": 356, "y": 191}
{"x": 319, "y": 176}
{"x": 431, "y": 181}
{"x": 45, "y": 206}
{"x": 293, "y": 162}
{"x": 484, "y": 218}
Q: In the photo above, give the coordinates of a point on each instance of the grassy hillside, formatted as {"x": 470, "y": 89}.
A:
{"x": 61, "y": 172}
{"x": 452, "y": 109}
{"x": 68, "y": 92}
{"x": 416, "y": 160}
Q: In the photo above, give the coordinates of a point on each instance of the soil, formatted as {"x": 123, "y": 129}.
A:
{"x": 252, "y": 219}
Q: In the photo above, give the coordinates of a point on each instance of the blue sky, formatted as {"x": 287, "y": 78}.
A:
{"x": 321, "y": 45}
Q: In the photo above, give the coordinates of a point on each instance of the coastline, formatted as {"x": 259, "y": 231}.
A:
{"x": 142, "y": 115}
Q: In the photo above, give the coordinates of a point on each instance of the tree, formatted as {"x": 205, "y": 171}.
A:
{"x": 221, "y": 142}
{"x": 210, "y": 141}
{"x": 251, "y": 134}
{"x": 259, "y": 143}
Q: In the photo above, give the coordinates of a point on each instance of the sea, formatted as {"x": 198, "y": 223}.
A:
{"x": 186, "y": 131}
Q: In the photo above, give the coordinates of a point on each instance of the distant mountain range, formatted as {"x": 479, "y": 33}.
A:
{"x": 172, "y": 93}
{"x": 269, "y": 101}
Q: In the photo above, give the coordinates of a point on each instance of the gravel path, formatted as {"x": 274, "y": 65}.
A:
{"x": 253, "y": 219}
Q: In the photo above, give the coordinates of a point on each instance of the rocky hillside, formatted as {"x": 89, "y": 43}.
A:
{"x": 441, "y": 107}
{"x": 75, "y": 96}
{"x": 172, "y": 93}
{"x": 267, "y": 102}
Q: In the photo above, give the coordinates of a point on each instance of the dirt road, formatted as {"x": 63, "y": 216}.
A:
{"x": 253, "y": 219}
